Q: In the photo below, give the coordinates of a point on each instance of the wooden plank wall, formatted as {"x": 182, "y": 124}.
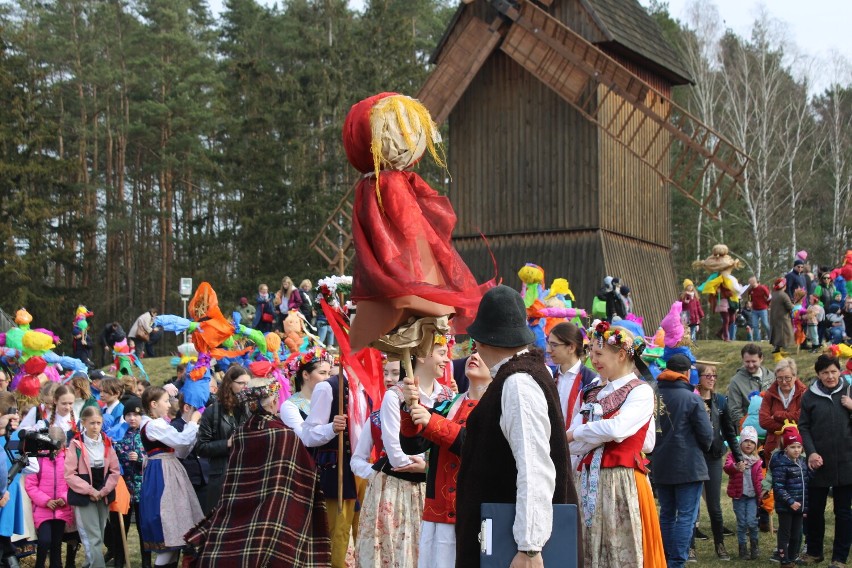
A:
{"x": 574, "y": 255}
{"x": 634, "y": 199}
{"x": 647, "y": 270}
{"x": 521, "y": 159}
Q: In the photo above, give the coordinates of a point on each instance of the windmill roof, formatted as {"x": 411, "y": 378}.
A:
{"x": 627, "y": 24}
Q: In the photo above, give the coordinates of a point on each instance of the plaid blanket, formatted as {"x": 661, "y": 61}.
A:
{"x": 272, "y": 511}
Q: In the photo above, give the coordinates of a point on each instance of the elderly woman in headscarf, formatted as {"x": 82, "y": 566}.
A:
{"x": 272, "y": 512}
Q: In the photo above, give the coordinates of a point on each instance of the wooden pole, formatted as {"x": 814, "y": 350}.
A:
{"x": 340, "y": 409}
{"x": 124, "y": 540}
{"x": 340, "y": 446}
{"x": 406, "y": 363}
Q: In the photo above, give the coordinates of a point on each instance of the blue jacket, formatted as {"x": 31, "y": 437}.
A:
{"x": 685, "y": 434}
{"x": 789, "y": 482}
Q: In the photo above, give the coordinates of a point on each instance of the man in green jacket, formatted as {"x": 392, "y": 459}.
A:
{"x": 751, "y": 377}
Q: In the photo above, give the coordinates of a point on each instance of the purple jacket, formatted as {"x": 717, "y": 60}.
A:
{"x": 735, "y": 483}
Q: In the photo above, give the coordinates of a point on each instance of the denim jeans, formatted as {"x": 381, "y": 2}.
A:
{"x": 326, "y": 336}
{"x": 758, "y": 318}
{"x": 817, "y": 497}
{"x": 678, "y": 512}
{"x": 745, "y": 509}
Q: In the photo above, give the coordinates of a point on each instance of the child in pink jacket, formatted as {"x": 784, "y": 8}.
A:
{"x": 49, "y": 493}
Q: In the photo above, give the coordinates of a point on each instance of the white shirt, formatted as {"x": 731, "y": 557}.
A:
{"x": 95, "y": 449}
{"x": 63, "y": 422}
{"x": 636, "y": 411}
{"x": 564, "y": 384}
{"x": 162, "y": 431}
{"x": 392, "y": 422}
{"x": 317, "y": 430}
{"x": 291, "y": 416}
{"x": 526, "y": 426}
{"x": 360, "y": 462}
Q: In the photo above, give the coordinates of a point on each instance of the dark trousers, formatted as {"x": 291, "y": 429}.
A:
{"x": 50, "y": 535}
{"x": 7, "y": 549}
{"x": 713, "y": 499}
{"x": 789, "y": 535}
{"x": 817, "y": 498}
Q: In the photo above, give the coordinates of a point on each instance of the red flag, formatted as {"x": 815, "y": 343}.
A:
{"x": 365, "y": 365}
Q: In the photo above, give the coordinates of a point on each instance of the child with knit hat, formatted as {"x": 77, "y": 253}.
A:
{"x": 744, "y": 490}
{"x": 790, "y": 476}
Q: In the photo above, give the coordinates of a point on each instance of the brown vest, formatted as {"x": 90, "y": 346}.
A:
{"x": 488, "y": 473}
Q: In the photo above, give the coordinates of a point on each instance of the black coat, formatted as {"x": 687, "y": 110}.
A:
{"x": 826, "y": 429}
{"x": 214, "y": 431}
{"x": 723, "y": 429}
{"x": 789, "y": 482}
{"x": 684, "y": 435}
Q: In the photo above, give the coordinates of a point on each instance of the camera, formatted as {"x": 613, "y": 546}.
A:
{"x": 31, "y": 444}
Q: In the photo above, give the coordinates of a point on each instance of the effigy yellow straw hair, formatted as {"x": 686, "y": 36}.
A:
{"x": 402, "y": 130}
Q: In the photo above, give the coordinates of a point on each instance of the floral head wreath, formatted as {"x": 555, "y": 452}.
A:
{"x": 601, "y": 333}
{"x": 310, "y": 356}
{"x": 441, "y": 339}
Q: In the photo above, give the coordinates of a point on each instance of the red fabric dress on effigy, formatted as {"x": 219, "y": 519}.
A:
{"x": 406, "y": 264}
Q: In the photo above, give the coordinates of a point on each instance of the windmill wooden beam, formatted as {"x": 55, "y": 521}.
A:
{"x": 334, "y": 241}
{"x": 573, "y": 68}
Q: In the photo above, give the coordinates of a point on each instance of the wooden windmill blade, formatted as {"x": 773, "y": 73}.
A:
{"x": 622, "y": 105}
{"x": 334, "y": 241}
{"x": 462, "y": 56}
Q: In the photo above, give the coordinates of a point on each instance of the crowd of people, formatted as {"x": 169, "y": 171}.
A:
{"x": 333, "y": 475}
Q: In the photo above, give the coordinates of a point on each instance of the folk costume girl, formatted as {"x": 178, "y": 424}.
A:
{"x": 389, "y": 531}
{"x": 441, "y": 432}
{"x": 308, "y": 370}
{"x": 272, "y": 511}
{"x": 615, "y": 426}
{"x": 61, "y": 415}
{"x": 168, "y": 503}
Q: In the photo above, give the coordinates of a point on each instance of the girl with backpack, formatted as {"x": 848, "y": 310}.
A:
{"x": 91, "y": 472}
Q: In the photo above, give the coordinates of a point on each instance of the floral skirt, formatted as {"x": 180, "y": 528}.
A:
{"x": 389, "y": 528}
{"x": 615, "y": 537}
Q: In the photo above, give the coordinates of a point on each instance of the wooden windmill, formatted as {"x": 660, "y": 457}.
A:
{"x": 564, "y": 141}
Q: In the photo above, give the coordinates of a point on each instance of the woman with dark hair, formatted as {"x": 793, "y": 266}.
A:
{"x": 566, "y": 349}
{"x": 295, "y": 409}
{"x": 827, "y": 436}
{"x": 272, "y": 511}
{"x": 216, "y": 430}
{"x": 723, "y": 431}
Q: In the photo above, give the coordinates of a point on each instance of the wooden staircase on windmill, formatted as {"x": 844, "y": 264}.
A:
{"x": 334, "y": 241}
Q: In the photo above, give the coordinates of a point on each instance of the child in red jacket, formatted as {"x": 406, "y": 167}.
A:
{"x": 744, "y": 490}
{"x": 49, "y": 493}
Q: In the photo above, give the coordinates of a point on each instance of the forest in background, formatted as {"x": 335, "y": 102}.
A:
{"x": 142, "y": 141}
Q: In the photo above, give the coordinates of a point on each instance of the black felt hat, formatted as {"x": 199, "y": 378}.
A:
{"x": 501, "y": 320}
